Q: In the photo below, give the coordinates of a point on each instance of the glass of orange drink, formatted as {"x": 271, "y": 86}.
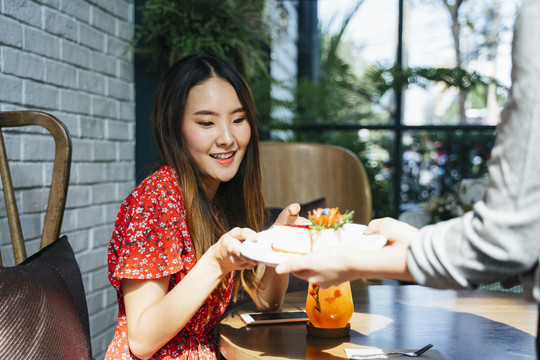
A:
{"x": 330, "y": 308}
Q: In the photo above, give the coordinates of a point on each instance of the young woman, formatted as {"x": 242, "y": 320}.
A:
{"x": 174, "y": 255}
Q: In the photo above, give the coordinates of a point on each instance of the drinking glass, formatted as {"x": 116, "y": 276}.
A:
{"x": 330, "y": 308}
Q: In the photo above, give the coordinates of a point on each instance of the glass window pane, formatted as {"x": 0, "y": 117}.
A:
{"x": 435, "y": 161}
{"x": 369, "y": 39}
{"x": 481, "y": 47}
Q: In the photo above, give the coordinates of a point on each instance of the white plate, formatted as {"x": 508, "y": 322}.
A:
{"x": 261, "y": 251}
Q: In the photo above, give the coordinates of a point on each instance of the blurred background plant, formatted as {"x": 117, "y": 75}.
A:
{"x": 439, "y": 208}
{"x": 233, "y": 29}
{"x": 453, "y": 204}
{"x": 237, "y": 30}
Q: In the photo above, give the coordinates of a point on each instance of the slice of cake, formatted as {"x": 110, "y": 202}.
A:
{"x": 291, "y": 239}
{"x": 326, "y": 230}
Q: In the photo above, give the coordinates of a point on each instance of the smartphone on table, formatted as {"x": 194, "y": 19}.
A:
{"x": 274, "y": 317}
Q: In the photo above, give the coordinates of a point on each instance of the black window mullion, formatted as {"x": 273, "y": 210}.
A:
{"x": 398, "y": 147}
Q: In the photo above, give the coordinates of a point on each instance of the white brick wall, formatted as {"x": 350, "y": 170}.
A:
{"x": 66, "y": 57}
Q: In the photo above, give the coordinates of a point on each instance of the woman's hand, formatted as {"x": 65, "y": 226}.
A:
{"x": 289, "y": 216}
{"x": 226, "y": 252}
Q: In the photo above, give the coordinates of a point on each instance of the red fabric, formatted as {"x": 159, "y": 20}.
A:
{"x": 151, "y": 240}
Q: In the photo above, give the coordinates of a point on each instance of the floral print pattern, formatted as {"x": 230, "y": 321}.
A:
{"x": 151, "y": 240}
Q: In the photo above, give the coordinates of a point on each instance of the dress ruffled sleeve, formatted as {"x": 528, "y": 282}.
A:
{"x": 151, "y": 231}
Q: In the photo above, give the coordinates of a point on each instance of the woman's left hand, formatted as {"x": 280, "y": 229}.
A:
{"x": 289, "y": 216}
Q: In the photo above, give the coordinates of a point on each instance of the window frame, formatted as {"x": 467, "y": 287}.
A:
{"x": 396, "y": 126}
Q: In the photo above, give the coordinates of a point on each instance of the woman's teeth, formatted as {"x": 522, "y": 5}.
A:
{"x": 222, "y": 156}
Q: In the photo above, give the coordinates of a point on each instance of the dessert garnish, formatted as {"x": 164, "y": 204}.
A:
{"x": 329, "y": 218}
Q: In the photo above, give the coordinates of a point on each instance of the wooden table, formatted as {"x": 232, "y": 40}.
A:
{"x": 461, "y": 325}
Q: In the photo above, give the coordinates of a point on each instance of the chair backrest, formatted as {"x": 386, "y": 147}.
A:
{"x": 302, "y": 173}
{"x": 43, "y": 309}
{"x": 59, "y": 183}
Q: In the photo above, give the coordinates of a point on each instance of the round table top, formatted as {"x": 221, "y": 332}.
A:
{"x": 460, "y": 325}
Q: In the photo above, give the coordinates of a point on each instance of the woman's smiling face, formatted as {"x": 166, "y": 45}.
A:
{"x": 216, "y": 131}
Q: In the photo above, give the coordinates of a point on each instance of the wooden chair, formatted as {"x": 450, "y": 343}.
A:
{"x": 59, "y": 183}
{"x": 314, "y": 175}
{"x": 305, "y": 173}
{"x": 43, "y": 310}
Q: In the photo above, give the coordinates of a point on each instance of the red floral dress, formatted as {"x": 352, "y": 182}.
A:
{"x": 151, "y": 240}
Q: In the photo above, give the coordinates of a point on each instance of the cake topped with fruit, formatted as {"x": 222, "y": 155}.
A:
{"x": 326, "y": 230}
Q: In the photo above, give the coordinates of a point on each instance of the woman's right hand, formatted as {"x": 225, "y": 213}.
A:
{"x": 226, "y": 252}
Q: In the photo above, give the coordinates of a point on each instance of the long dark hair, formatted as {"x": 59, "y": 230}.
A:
{"x": 238, "y": 202}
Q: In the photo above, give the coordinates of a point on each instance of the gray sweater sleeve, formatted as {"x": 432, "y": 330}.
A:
{"x": 500, "y": 238}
